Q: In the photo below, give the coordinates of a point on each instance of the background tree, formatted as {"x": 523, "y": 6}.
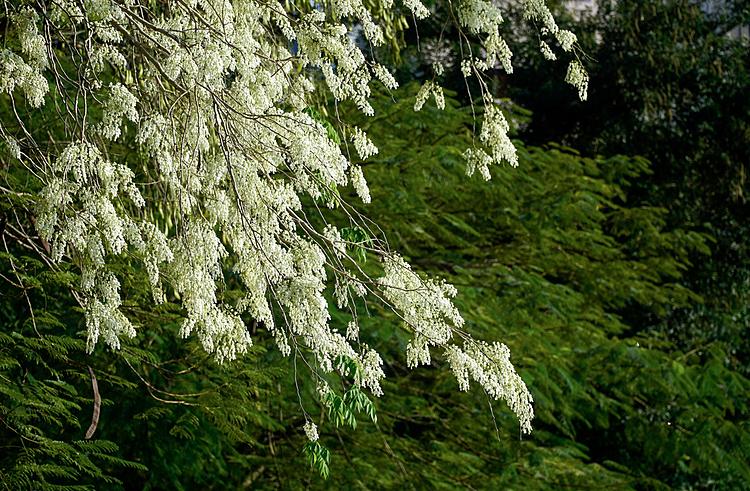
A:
{"x": 669, "y": 82}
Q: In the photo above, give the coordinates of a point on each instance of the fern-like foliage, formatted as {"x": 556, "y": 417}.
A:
{"x": 45, "y": 390}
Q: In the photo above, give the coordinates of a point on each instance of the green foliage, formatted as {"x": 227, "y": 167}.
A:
{"x": 342, "y": 411}
{"x": 319, "y": 458}
{"x": 45, "y": 390}
{"x": 669, "y": 81}
{"x": 357, "y": 241}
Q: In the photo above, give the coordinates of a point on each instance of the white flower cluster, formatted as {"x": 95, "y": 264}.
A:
{"x": 370, "y": 371}
{"x": 417, "y": 8}
{"x": 578, "y": 78}
{"x": 120, "y": 104}
{"x": 538, "y": 11}
{"x": 77, "y": 208}
{"x": 429, "y": 88}
{"x": 489, "y": 365}
{"x": 364, "y": 147}
{"x": 311, "y": 431}
{"x": 494, "y": 134}
{"x": 467, "y": 68}
{"x": 356, "y": 9}
{"x": 15, "y": 72}
{"x": 426, "y": 308}
{"x": 346, "y": 288}
{"x": 484, "y": 18}
{"x": 438, "y": 68}
{"x": 78, "y": 211}
{"x": 103, "y": 316}
{"x": 194, "y": 271}
{"x": 219, "y": 112}
{"x": 424, "y": 305}
{"x": 359, "y": 183}
{"x": 26, "y": 74}
{"x": 547, "y": 51}
{"x": 385, "y": 77}
{"x": 33, "y": 44}
{"x": 343, "y": 64}
{"x": 13, "y": 147}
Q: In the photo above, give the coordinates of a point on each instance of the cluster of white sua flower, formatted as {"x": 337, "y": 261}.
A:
{"x": 215, "y": 95}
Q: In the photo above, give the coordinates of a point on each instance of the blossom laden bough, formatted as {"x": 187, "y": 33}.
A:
{"x": 214, "y": 95}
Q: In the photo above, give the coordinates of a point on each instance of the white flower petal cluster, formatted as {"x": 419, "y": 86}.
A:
{"x": 311, "y": 431}
{"x": 364, "y": 147}
{"x": 547, "y": 51}
{"x": 494, "y": 135}
{"x": 424, "y": 305}
{"x": 385, "y": 77}
{"x": 538, "y": 11}
{"x": 120, "y": 104}
{"x": 33, "y": 45}
{"x": 417, "y": 8}
{"x": 467, "y": 68}
{"x": 429, "y": 88}
{"x": 578, "y": 78}
{"x": 79, "y": 214}
{"x": 360, "y": 183}
{"x": 489, "y": 365}
{"x": 484, "y": 18}
{"x": 15, "y": 72}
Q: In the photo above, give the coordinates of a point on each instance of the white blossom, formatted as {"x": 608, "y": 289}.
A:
{"x": 33, "y": 44}
{"x": 120, "y": 104}
{"x": 494, "y": 133}
{"x": 311, "y": 431}
{"x": 423, "y": 95}
{"x": 424, "y": 304}
{"x": 360, "y": 184}
{"x": 370, "y": 372}
{"x": 385, "y": 77}
{"x": 16, "y": 73}
{"x": 352, "y": 330}
{"x": 13, "y": 147}
{"x": 566, "y": 39}
{"x": 547, "y": 51}
{"x": 466, "y": 68}
{"x": 437, "y": 93}
{"x": 324, "y": 390}
{"x": 578, "y": 78}
{"x": 364, "y": 147}
{"x": 417, "y": 8}
{"x": 479, "y": 16}
{"x": 489, "y": 365}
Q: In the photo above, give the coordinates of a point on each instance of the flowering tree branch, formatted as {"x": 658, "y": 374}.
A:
{"x": 214, "y": 98}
